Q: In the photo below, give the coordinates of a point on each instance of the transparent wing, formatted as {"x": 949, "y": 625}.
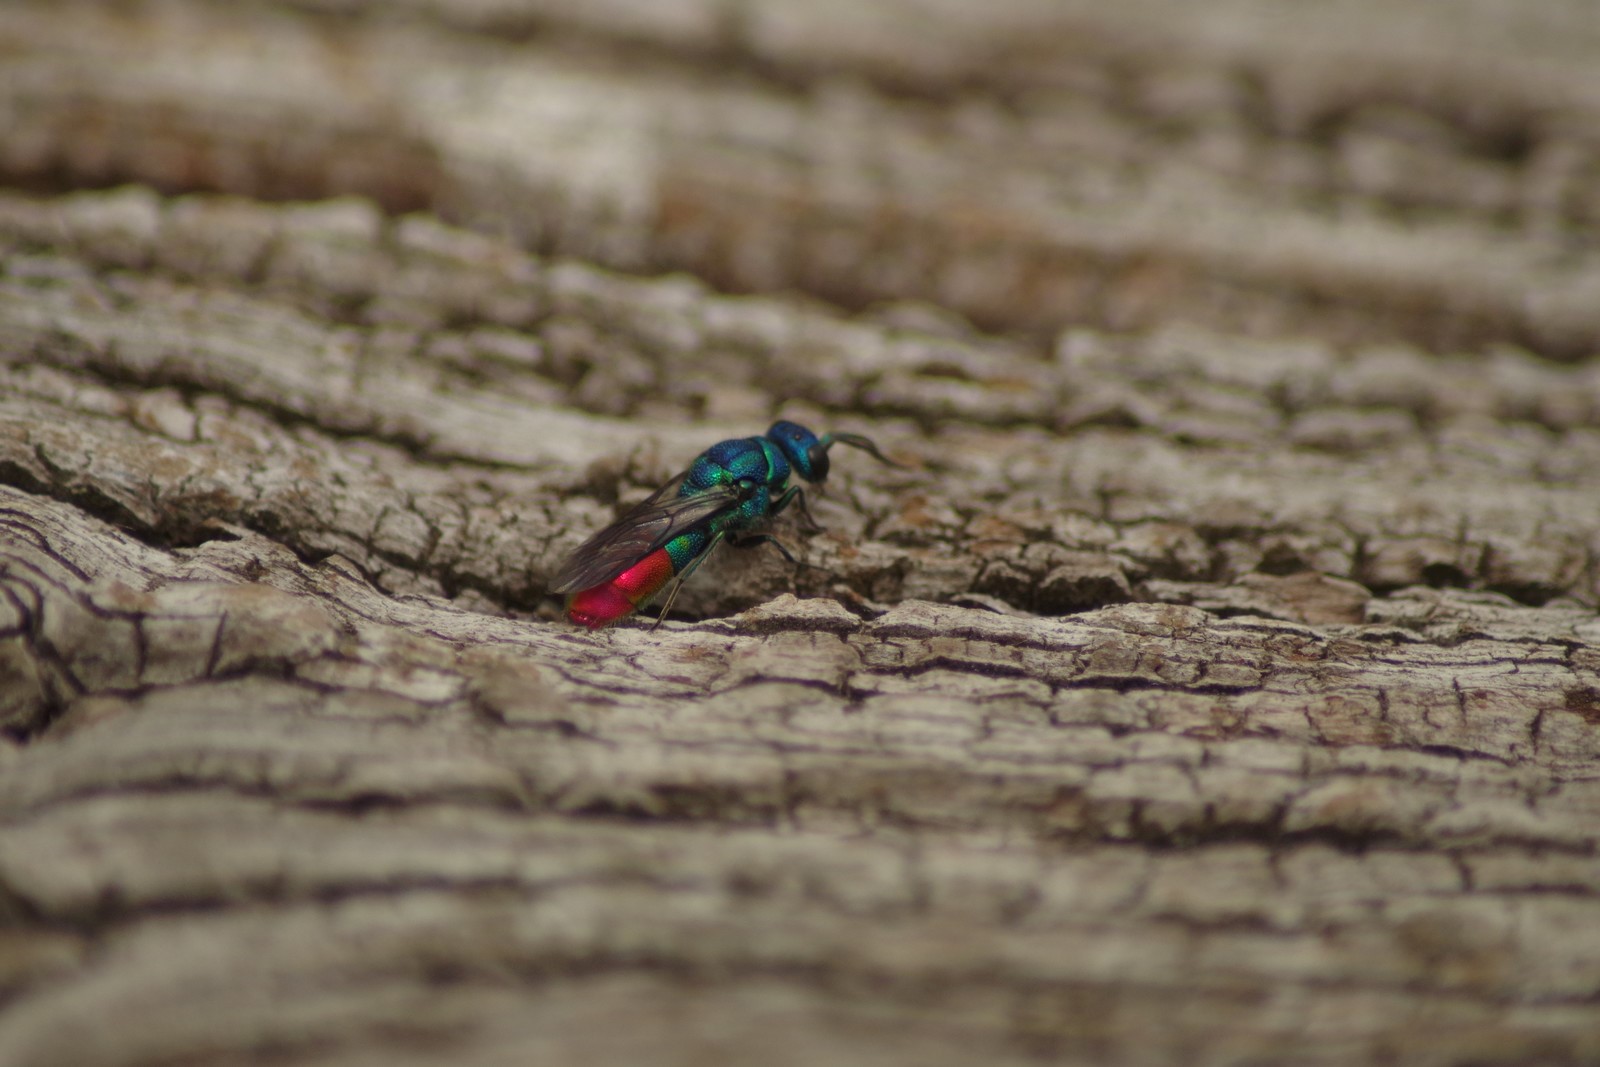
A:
{"x": 647, "y": 526}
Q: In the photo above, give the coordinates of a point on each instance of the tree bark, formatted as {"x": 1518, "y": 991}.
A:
{"x": 1217, "y": 680}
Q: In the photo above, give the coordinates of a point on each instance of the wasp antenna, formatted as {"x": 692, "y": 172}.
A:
{"x": 855, "y": 440}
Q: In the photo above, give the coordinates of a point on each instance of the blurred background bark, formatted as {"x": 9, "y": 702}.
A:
{"x": 1218, "y": 682}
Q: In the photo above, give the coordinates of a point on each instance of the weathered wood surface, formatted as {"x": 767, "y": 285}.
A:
{"x": 1218, "y": 683}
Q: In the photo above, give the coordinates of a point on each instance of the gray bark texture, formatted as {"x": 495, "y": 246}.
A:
{"x": 1216, "y": 681}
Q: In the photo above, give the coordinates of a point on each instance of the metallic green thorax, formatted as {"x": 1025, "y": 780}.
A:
{"x": 751, "y": 462}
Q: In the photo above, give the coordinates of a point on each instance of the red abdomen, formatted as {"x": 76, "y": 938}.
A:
{"x": 603, "y": 605}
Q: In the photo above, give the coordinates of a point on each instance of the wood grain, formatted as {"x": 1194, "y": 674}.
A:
{"x": 1217, "y": 681}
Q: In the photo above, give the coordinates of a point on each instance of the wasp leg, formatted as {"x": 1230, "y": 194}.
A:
{"x": 677, "y": 582}
{"x": 797, "y": 495}
{"x": 752, "y": 540}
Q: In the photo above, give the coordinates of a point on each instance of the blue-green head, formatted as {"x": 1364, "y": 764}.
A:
{"x": 808, "y": 454}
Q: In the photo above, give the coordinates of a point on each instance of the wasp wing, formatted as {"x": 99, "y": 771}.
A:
{"x": 645, "y": 527}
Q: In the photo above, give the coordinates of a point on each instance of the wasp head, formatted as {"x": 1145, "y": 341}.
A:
{"x": 806, "y": 453}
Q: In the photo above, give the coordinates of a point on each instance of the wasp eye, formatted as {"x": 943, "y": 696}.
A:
{"x": 817, "y": 457}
